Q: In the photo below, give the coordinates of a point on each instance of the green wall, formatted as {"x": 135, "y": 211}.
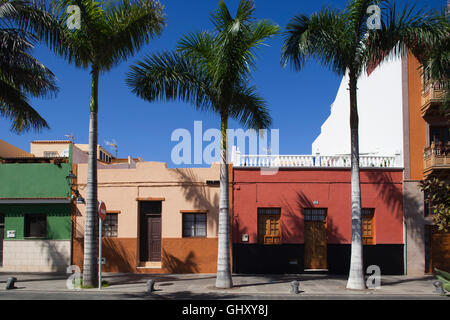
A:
{"x": 34, "y": 180}
{"x": 59, "y": 226}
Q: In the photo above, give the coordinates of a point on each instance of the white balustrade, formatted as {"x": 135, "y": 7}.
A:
{"x": 298, "y": 161}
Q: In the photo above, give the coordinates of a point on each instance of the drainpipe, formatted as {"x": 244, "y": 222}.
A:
{"x": 405, "y": 246}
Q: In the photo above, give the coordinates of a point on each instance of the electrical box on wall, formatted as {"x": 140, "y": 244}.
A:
{"x": 245, "y": 237}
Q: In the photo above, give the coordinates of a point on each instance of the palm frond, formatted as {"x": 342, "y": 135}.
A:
{"x": 171, "y": 76}
{"x": 402, "y": 30}
{"x": 324, "y": 37}
{"x": 19, "y": 68}
{"x": 249, "y": 108}
{"x": 209, "y": 70}
{"x": 199, "y": 46}
{"x": 6, "y": 9}
{"x": 14, "y": 105}
{"x": 40, "y": 20}
{"x": 131, "y": 25}
{"x": 221, "y": 17}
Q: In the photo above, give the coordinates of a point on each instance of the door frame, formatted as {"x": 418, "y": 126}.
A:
{"x": 325, "y": 230}
{"x": 148, "y": 242}
{"x": 140, "y": 239}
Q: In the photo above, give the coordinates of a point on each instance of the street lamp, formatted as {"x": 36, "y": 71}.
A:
{"x": 70, "y": 177}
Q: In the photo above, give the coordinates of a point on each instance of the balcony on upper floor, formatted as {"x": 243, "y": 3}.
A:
{"x": 436, "y": 158}
{"x": 432, "y": 96}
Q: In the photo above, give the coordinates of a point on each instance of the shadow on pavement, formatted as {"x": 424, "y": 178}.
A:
{"x": 143, "y": 278}
{"x": 390, "y": 282}
{"x": 180, "y": 295}
{"x": 29, "y": 277}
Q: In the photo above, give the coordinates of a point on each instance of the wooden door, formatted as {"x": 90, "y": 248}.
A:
{"x": 2, "y": 233}
{"x": 440, "y": 249}
{"x": 150, "y": 231}
{"x": 315, "y": 239}
{"x": 269, "y": 231}
{"x": 154, "y": 237}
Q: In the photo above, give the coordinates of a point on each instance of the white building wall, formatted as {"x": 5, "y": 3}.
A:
{"x": 380, "y": 115}
{"x": 36, "y": 255}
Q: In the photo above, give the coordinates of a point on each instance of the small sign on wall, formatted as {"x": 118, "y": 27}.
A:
{"x": 245, "y": 238}
{"x": 10, "y": 233}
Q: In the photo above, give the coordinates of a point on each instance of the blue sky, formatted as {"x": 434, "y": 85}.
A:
{"x": 299, "y": 101}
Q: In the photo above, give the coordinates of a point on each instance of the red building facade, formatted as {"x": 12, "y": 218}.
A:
{"x": 300, "y": 218}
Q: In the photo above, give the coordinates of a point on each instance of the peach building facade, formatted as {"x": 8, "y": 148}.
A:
{"x": 159, "y": 220}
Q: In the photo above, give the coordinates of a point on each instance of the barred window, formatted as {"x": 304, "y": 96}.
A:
{"x": 109, "y": 225}
{"x": 315, "y": 214}
{"x": 269, "y": 230}
{"x": 194, "y": 224}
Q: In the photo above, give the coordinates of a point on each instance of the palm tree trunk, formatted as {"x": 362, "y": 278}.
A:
{"x": 90, "y": 267}
{"x": 223, "y": 279}
{"x": 356, "y": 275}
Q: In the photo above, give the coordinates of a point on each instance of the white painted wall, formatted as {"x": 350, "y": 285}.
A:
{"x": 36, "y": 255}
{"x": 380, "y": 115}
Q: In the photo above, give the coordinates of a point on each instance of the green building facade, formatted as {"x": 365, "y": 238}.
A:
{"x": 35, "y": 214}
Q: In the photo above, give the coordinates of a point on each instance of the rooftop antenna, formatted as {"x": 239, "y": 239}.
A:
{"x": 113, "y": 144}
{"x": 71, "y": 137}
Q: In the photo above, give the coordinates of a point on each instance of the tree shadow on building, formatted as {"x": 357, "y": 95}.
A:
{"x": 119, "y": 254}
{"x": 199, "y": 194}
{"x": 58, "y": 257}
{"x": 175, "y": 265}
{"x": 406, "y": 203}
{"x": 294, "y": 218}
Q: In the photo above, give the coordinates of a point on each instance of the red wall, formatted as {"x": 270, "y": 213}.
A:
{"x": 293, "y": 190}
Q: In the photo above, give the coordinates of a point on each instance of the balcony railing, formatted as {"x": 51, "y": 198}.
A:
{"x": 436, "y": 157}
{"x": 433, "y": 93}
{"x": 309, "y": 161}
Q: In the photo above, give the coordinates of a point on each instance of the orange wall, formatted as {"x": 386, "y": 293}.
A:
{"x": 183, "y": 255}
{"x": 417, "y": 125}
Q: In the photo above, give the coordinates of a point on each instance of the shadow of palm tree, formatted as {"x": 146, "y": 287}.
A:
{"x": 175, "y": 265}
{"x": 180, "y": 295}
{"x": 196, "y": 191}
{"x": 407, "y": 203}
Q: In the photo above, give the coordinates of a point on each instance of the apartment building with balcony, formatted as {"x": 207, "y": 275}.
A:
{"x": 426, "y": 154}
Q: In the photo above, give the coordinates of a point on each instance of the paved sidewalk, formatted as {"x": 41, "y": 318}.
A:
{"x": 179, "y": 286}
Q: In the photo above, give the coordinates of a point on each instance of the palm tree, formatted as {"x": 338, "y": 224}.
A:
{"x": 343, "y": 42}
{"x": 107, "y": 35}
{"x": 21, "y": 75}
{"x": 211, "y": 72}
